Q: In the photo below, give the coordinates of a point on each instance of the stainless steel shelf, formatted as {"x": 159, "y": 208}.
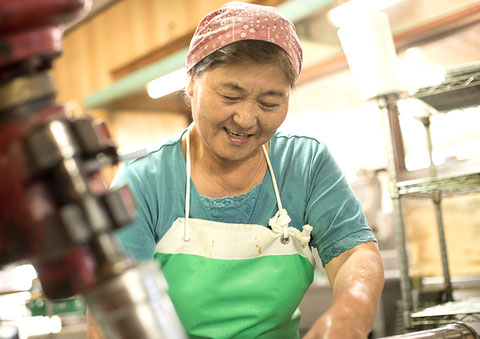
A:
{"x": 446, "y": 186}
{"x": 467, "y": 310}
{"x": 455, "y": 93}
{"x": 460, "y": 90}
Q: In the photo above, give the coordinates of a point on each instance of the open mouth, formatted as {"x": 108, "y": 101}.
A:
{"x": 237, "y": 135}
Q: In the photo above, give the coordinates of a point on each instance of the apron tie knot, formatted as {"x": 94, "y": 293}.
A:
{"x": 279, "y": 224}
{"x": 304, "y": 236}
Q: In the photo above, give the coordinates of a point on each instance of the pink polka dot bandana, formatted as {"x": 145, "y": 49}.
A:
{"x": 237, "y": 21}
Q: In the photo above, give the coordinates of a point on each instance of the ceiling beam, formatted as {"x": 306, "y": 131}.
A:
{"x": 416, "y": 33}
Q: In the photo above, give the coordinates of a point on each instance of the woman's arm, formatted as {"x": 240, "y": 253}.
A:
{"x": 356, "y": 277}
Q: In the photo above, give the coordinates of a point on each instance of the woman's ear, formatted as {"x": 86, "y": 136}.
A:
{"x": 190, "y": 84}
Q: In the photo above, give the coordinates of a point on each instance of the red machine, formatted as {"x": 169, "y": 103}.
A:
{"x": 56, "y": 211}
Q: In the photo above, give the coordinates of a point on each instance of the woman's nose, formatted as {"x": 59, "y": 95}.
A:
{"x": 246, "y": 114}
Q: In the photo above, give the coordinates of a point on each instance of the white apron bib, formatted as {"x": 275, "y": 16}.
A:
{"x": 236, "y": 280}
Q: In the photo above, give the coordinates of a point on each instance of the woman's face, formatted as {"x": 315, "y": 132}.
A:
{"x": 238, "y": 108}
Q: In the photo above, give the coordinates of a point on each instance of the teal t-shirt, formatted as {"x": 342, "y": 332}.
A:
{"x": 312, "y": 188}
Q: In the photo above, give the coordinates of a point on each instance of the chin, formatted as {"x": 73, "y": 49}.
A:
{"x": 237, "y": 156}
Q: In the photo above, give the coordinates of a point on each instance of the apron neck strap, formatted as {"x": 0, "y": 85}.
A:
{"x": 186, "y": 236}
{"x": 274, "y": 181}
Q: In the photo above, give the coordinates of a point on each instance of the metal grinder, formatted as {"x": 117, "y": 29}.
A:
{"x": 56, "y": 210}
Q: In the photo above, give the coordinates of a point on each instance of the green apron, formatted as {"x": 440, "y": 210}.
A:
{"x": 236, "y": 280}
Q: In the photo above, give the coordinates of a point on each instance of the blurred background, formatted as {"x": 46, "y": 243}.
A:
{"x": 114, "y": 66}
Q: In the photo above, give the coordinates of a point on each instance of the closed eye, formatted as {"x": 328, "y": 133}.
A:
{"x": 231, "y": 98}
{"x": 268, "y": 105}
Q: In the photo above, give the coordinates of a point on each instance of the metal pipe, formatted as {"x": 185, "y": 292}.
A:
{"x": 457, "y": 330}
{"x": 428, "y": 136}
{"x": 135, "y": 304}
{"x": 437, "y": 200}
{"x": 387, "y": 105}
{"x": 443, "y": 246}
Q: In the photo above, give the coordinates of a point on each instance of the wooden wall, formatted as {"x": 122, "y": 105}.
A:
{"x": 461, "y": 218}
{"x": 121, "y": 33}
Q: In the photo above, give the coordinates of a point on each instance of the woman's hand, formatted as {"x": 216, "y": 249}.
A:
{"x": 336, "y": 326}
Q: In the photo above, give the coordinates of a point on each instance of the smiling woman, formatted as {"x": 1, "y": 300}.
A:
{"x": 235, "y": 114}
{"x": 212, "y": 201}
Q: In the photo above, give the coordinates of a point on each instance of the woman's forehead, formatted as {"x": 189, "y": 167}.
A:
{"x": 242, "y": 77}
{"x": 246, "y": 84}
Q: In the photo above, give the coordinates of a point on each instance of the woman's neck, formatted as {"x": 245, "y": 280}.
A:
{"x": 217, "y": 178}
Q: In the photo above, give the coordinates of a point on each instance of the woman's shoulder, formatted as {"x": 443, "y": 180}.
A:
{"x": 162, "y": 156}
{"x": 296, "y": 143}
{"x": 169, "y": 147}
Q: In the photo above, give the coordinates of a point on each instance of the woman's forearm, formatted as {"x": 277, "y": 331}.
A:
{"x": 357, "y": 286}
{"x": 357, "y": 280}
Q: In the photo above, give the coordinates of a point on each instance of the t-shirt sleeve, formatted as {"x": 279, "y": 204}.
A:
{"x": 137, "y": 238}
{"x": 333, "y": 210}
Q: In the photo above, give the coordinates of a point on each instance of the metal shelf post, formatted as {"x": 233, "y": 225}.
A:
{"x": 437, "y": 201}
{"x": 389, "y": 109}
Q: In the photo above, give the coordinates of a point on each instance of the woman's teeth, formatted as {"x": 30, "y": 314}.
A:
{"x": 237, "y": 135}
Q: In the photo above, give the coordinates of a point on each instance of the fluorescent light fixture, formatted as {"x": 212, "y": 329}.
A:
{"x": 22, "y": 277}
{"x": 167, "y": 84}
{"x": 353, "y": 9}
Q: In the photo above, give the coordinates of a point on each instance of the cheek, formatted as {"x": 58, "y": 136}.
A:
{"x": 211, "y": 110}
{"x": 198, "y": 107}
{"x": 273, "y": 121}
